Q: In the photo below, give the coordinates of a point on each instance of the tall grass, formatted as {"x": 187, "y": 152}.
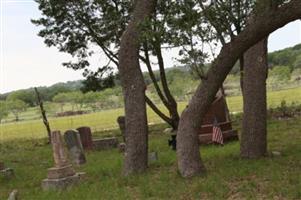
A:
{"x": 228, "y": 176}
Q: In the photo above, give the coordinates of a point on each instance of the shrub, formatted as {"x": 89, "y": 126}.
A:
{"x": 285, "y": 111}
{"x": 280, "y": 73}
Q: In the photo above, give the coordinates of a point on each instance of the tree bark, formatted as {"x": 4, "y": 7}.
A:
{"x": 171, "y": 105}
{"x": 262, "y": 24}
{"x": 254, "y": 133}
{"x": 133, "y": 86}
{"x": 241, "y": 72}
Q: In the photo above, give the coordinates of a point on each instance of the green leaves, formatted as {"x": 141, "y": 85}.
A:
{"x": 15, "y": 106}
{"x": 101, "y": 79}
{"x": 75, "y": 26}
{"x": 3, "y": 110}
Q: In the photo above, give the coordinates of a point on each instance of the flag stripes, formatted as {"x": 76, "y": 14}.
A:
{"x": 217, "y": 134}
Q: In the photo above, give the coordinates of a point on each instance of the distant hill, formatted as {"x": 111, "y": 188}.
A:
{"x": 49, "y": 92}
{"x": 290, "y": 57}
{"x": 286, "y": 57}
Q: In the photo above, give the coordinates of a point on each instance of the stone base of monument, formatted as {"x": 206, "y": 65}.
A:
{"x": 61, "y": 178}
{"x": 61, "y": 183}
{"x": 60, "y": 172}
{"x": 7, "y": 173}
{"x": 105, "y": 143}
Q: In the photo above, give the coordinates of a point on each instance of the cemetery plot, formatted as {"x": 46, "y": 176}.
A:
{"x": 62, "y": 175}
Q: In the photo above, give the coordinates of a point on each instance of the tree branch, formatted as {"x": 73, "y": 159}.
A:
{"x": 146, "y": 60}
{"x": 157, "y": 111}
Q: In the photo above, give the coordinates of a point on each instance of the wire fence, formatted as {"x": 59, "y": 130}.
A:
{"x": 107, "y": 119}
{"x": 32, "y": 129}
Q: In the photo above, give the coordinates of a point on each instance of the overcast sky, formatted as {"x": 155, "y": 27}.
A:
{"x": 27, "y": 62}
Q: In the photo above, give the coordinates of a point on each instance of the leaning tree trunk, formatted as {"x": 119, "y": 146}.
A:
{"x": 43, "y": 112}
{"x": 254, "y": 133}
{"x": 188, "y": 154}
{"x": 134, "y": 91}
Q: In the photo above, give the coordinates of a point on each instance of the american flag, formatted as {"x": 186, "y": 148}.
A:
{"x": 217, "y": 134}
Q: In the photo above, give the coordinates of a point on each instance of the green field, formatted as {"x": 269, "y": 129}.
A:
{"x": 105, "y": 120}
{"x": 228, "y": 176}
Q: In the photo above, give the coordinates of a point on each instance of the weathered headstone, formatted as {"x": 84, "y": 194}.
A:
{"x": 121, "y": 123}
{"x": 62, "y": 174}
{"x": 121, "y": 147}
{"x": 13, "y": 195}
{"x": 152, "y": 156}
{"x": 168, "y": 130}
{"x": 76, "y": 151}
{"x": 6, "y": 172}
{"x": 86, "y": 137}
{"x": 276, "y": 153}
{"x": 105, "y": 143}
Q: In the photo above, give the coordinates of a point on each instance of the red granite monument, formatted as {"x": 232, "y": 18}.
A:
{"x": 86, "y": 137}
{"x": 219, "y": 111}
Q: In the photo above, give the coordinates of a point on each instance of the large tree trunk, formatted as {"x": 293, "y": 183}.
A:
{"x": 241, "y": 71}
{"x": 254, "y": 133}
{"x": 134, "y": 91}
{"x": 188, "y": 154}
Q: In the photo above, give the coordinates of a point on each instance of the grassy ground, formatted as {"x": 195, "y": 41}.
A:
{"x": 228, "y": 176}
{"x": 107, "y": 119}
{"x": 274, "y": 99}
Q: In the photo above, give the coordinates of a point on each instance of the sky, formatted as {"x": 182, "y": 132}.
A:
{"x": 25, "y": 61}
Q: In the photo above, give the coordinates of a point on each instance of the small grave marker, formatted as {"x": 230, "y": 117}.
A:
{"x": 121, "y": 147}
{"x": 6, "y": 172}
{"x": 121, "y": 123}
{"x": 75, "y": 147}
{"x": 13, "y": 195}
{"x": 152, "y": 156}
